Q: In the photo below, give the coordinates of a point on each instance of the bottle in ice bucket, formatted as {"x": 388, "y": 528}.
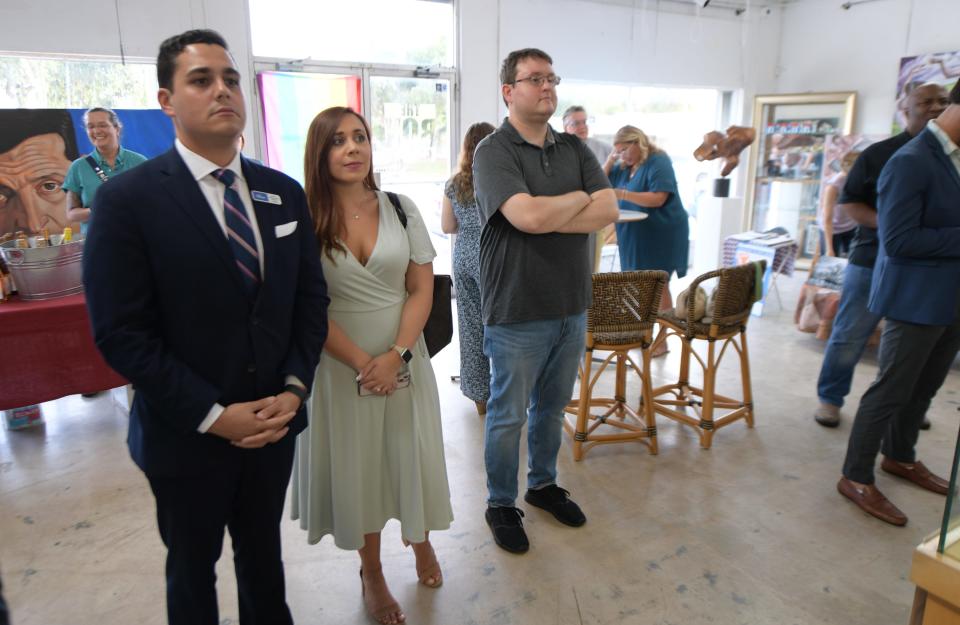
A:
{"x": 6, "y": 280}
{"x": 22, "y": 241}
{"x": 41, "y": 241}
{"x": 67, "y": 235}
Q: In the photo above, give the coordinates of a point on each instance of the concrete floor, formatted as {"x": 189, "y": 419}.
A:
{"x": 752, "y": 531}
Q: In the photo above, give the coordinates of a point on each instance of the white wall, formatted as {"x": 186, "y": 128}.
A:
{"x": 827, "y": 48}
{"x": 589, "y": 40}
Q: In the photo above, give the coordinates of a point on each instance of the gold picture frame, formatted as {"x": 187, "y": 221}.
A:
{"x": 811, "y": 114}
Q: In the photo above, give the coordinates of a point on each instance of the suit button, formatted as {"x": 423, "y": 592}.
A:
{"x": 251, "y": 368}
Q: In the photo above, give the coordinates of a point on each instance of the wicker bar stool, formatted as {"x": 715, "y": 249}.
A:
{"x": 736, "y": 292}
{"x": 621, "y": 318}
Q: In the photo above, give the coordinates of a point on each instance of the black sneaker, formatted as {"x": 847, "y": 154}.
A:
{"x": 507, "y": 528}
{"x": 555, "y": 500}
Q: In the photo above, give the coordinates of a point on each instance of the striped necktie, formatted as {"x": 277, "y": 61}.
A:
{"x": 240, "y": 232}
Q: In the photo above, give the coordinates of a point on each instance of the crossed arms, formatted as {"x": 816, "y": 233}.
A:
{"x": 576, "y": 212}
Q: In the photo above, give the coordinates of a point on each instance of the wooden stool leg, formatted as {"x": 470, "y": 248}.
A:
{"x": 745, "y": 378}
{"x": 687, "y": 345}
{"x": 709, "y": 383}
{"x": 646, "y": 399}
{"x": 583, "y": 409}
{"x": 620, "y": 389}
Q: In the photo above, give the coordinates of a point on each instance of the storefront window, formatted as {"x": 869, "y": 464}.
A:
{"x": 30, "y": 82}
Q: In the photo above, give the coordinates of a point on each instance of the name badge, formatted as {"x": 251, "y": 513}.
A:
{"x": 269, "y": 198}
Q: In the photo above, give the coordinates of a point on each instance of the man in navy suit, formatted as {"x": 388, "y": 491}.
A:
{"x": 205, "y": 290}
{"x": 916, "y": 286}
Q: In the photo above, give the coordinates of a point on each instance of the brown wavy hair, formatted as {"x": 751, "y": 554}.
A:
{"x": 463, "y": 179}
{"x": 318, "y": 183}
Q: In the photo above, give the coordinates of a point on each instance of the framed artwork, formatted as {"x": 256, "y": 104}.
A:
{"x": 942, "y": 68}
{"x": 788, "y": 161}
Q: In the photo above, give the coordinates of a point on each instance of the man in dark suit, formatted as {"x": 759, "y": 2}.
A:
{"x": 205, "y": 290}
{"x": 916, "y": 286}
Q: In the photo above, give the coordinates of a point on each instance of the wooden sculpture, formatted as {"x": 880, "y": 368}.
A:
{"x": 726, "y": 146}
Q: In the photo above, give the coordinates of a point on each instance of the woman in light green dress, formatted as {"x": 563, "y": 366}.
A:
{"x": 374, "y": 447}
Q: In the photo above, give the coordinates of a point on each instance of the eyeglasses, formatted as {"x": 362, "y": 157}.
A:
{"x": 576, "y": 123}
{"x": 537, "y": 81}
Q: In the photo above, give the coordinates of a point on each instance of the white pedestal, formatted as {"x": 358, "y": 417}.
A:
{"x": 717, "y": 218}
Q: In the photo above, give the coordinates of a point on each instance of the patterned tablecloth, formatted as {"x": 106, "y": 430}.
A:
{"x": 785, "y": 254}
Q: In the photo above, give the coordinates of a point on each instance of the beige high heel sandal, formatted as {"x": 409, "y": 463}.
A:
{"x": 389, "y": 614}
{"x": 431, "y": 575}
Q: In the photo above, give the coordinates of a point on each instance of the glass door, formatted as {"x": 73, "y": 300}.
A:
{"x": 412, "y": 150}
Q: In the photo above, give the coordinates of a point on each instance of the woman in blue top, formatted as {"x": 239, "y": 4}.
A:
{"x": 642, "y": 177}
{"x": 108, "y": 159}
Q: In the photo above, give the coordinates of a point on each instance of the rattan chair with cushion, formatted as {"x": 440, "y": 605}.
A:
{"x": 621, "y": 318}
{"x": 736, "y": 291}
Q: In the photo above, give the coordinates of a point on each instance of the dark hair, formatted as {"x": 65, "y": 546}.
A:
{"x": 508, "y": 71}
{"x": 171, "y": 48}
{"x": 21, "y": 124}
{"x": 463, "y": 179}
{"x": 318, "y": 183}
{"x": 955, "y": 93}
{"x": 576, "y": 108}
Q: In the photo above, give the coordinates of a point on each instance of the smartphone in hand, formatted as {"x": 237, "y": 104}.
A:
{"x": 403, "y": 381}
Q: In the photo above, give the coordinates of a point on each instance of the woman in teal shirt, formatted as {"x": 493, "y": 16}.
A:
{"x": 108, "y": 159}
{"x": 642, "y": 177}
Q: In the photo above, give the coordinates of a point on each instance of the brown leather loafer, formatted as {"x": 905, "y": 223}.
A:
{"x": 916, "y": 473}
{"x": 871, "y": 501}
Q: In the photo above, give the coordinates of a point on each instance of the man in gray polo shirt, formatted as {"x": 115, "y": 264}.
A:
{"x": 539, "y": 194}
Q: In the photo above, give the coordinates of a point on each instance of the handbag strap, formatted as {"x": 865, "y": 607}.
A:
{"x": 401, "y": 214}
{"x": 96, "y": 168}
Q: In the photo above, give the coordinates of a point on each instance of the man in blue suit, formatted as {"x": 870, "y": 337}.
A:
{"x": 205, "y": 290}
{"x": 916, "y": 286}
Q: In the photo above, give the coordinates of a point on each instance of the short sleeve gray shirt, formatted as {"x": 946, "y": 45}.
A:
{"x": 529, "y": 277}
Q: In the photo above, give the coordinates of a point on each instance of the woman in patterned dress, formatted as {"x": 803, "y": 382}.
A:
{"x": 462, "y": 217}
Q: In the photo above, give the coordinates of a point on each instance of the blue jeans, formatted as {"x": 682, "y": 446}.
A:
{"x": 533, "y": 366}
{"x": 852, "y": 328}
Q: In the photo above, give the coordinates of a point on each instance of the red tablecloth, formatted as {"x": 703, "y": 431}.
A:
{"x": 47, "y": 351}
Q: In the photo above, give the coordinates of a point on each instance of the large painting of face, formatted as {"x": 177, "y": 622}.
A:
{"x": 36, "y": 149}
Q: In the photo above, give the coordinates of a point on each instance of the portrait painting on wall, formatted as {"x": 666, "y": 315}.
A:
{"x": 36, "y": 149}
{"x": 942, "y": 68}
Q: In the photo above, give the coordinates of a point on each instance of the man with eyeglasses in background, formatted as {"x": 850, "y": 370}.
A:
{"x": 540, "y": 194}
{"x": 575, "y": 122}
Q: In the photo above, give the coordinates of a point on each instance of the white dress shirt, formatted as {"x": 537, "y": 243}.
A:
{"x": 212, "y": 189}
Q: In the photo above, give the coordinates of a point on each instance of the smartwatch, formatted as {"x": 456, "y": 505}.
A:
{"x": 299, "y": 391}
{"x": 405, "y": 353}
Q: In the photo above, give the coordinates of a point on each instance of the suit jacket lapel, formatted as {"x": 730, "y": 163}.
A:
{"x": 266, "y": 218}
{"x": 190, "y": 200}
{"x": 941, "y": 156}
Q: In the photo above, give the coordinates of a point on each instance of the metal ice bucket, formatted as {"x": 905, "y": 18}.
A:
{"x": 45, "y": 272}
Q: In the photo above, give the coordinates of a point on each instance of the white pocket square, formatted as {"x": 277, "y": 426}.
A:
{"x": 286, "y": 229}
